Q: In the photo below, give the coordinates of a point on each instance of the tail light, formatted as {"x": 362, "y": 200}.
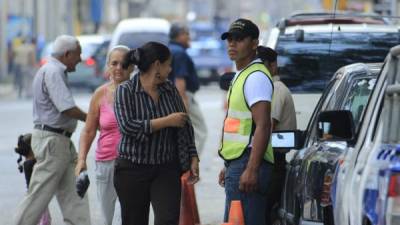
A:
{"x": 394, "y": 186}
{"x": 90, "y": 62}
{"x": 393, "y": 201}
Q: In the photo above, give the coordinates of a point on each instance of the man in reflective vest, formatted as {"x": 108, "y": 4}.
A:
{"x": 245, "y": 144}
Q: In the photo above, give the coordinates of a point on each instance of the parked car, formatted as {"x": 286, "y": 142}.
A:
{"x": 89, "y": 73}
{"x": 208, "y": 52}
{"x": 305, "y": 198}
{"x": 368, "y": 178}
{"x": 210, "y": 59}
{"x": 311, "y": 47}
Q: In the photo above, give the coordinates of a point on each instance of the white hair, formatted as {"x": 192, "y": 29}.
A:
{"x": 122, "y": 48}
{"x": 64, "y": 43}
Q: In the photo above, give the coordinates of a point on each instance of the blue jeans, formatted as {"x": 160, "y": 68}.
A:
{"x": 253, "y": 203}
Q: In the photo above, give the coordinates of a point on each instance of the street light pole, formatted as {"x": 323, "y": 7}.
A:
{"x": 3, "y": 39}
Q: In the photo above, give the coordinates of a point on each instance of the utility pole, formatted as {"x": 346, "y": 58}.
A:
{"x": 3, "y": 39}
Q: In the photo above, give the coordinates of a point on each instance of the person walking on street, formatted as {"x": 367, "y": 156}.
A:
{"x": 245, "y": 144}
{"x": 157, "y": 143}
{"x": 25, "y": 61}
{"x": 185, "y": 77}
{"x": 101, "y": 114}
{"x": 55, "y": 116}
{"x": 283, "y": 118}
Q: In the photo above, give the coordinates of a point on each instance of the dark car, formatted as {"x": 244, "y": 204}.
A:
{"x": 208, "y": 52}
{"x": 305, "y": 198}
{"x": 311, "y": 47}
{"x": 210, "y": 59}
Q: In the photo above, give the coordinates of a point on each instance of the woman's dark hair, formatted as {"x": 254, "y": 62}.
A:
{"x": 266, "y": 54}
{"x": 144, "y": 56}
{"x": 23, "y": 148}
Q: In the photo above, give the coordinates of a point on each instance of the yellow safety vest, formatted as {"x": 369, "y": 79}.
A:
{"x": 238, "y": 124}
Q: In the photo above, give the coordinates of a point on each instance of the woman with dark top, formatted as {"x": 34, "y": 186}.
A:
{"x": 157, "y": 143}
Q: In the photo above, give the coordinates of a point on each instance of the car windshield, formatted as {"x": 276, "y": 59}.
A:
{"x": 207, "y": 47}
{"x": 308, "y": 65}
{"x": 88, "y": 49}
{"x": 135, "y": 40}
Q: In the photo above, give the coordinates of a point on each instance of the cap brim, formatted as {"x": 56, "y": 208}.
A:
{"x": 224, "y": 36}
{"x": 239, "y": 34}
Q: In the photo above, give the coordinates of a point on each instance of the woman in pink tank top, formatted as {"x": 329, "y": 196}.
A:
{"x": 101, "y": 117}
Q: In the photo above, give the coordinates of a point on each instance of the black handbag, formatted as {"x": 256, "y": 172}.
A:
{"x": 183, "y": 155}
{"x": 183, "y": 150}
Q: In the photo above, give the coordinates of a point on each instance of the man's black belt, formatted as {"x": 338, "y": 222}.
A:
{"x": 52, "y": 129}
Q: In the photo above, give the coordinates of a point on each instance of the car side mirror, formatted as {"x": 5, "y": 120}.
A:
{"x": 225, "y": 80}
{"x": 287, "y": 139}
{"x": 336, "y": 125}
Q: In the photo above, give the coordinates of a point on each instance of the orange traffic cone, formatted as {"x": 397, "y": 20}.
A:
{"x": 236, "y": 213}
{"x": 189, "y": 214}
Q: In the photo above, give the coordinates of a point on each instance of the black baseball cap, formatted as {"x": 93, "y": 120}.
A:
{"x": 242, "y": 28}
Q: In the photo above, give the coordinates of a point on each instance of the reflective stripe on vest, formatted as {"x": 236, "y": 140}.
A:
{"x": 238, "y": 124}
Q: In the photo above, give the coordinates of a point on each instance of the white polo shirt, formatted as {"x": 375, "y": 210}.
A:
{"x": 52, "y": 96}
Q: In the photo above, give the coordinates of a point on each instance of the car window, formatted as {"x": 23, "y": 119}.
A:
{"x": 100, "y": 56}
{"x": 352, "y": 95}
{"x": 135, "y": 40}
{"x": 323, "y": 101}
{"x": 309, "y": 64}
{"x": 88, "y": 49}
{"x": 208, "y": 47}
{"x": 357, "y": 98}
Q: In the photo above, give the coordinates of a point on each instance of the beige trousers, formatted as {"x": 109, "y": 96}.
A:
{"x": 53, "y": 174}
{"x": 199, "y": 126}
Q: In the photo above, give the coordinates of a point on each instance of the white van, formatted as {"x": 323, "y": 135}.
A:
{"x": 137, "y": 31}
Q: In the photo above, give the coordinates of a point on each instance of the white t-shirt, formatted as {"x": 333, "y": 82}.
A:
{"x": 257, "y": 87}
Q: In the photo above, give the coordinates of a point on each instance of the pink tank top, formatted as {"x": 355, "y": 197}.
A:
{"x": 107, "y": 144}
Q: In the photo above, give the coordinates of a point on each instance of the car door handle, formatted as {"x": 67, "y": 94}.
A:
{"x": 360, "y": 171}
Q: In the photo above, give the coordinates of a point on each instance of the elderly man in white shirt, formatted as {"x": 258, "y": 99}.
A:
{"x": 55, "y": 117}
